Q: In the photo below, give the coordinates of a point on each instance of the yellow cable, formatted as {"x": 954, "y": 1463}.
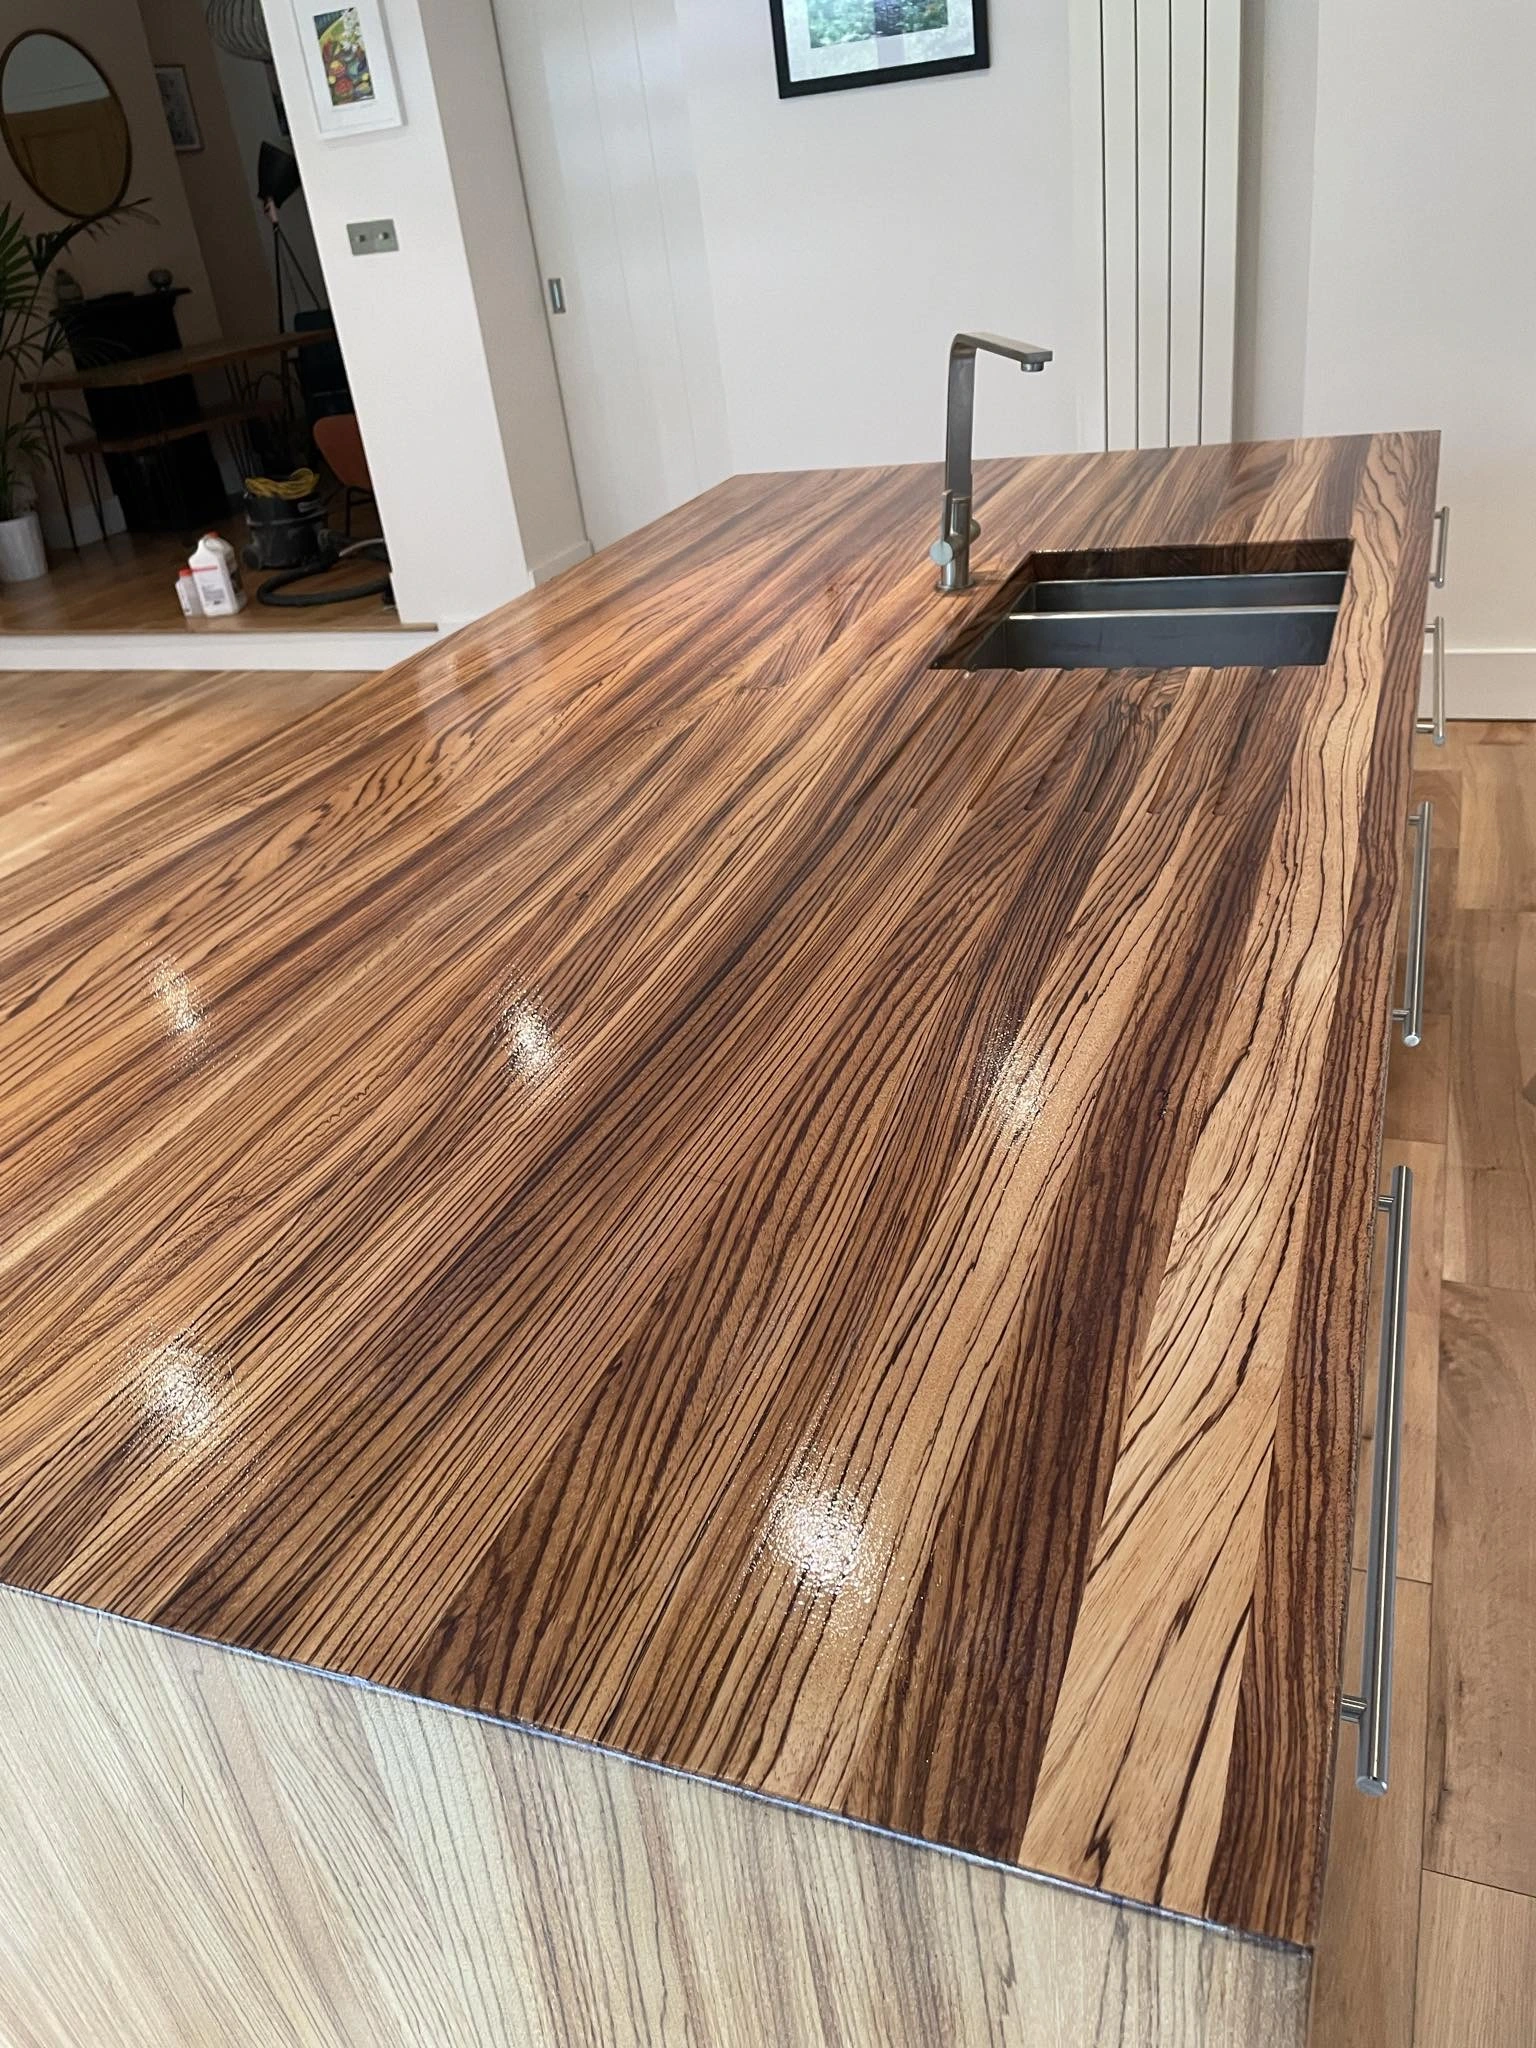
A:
{"x": 302, "y": 484}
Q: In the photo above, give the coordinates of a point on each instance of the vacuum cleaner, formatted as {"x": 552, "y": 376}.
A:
{"x": 289, "y": 534}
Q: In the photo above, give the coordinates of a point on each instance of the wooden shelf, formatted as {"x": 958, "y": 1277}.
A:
{"x": 182, "y": 430}
{"x": 178, "y": 362}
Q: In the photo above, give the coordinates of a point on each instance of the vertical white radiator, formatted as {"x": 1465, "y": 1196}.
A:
{"x": 1155, "y": 93}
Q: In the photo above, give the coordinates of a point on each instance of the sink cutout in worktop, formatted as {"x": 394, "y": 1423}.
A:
{"x": 1243, "y": 605}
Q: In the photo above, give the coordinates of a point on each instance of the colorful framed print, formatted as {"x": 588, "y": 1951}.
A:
{"x": 346, "y": 57}
{"x": 828, "y": 45}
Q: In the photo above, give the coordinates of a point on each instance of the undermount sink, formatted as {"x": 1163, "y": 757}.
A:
{"x": 1268, "y": 618}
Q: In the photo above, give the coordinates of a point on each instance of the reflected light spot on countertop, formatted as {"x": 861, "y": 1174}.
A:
{"x": 1020, "y": 1085}
{"x": 180, "y": 1387}
{"x": 530, "y": 1044}
{"x": 184, "y": 1011}
{"x": 832, "y": 1541}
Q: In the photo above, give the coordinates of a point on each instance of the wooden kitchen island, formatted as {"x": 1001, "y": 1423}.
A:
{"x": 685, "y": 1302}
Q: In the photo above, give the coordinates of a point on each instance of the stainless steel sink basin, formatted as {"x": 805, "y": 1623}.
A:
{"x": 1267, "y": 592}
{"x": 1266, "y": 620}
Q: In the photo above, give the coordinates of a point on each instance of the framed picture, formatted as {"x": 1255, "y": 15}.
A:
{"x": 346, "y": 55}
{"x": 180, "y": 114}
{"x": 828, "y": 45}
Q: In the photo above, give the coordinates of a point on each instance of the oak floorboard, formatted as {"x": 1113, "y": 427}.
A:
{"x": 1417, "y": 1084}
{"x": 1421, "y": 1372}
{"x": 1480, "y": 1785}
{"x": 1363, "y": 1975}
{"x": 1498, "y": 833}
{"x": 1490, "y": 1237}
{"x": 1477, "y": 1967}
{"x": 127, "y": 584}
{"x": 1437, "y": 775}
{"x": 1498, "y": 732}
{"x": 1440, "y": 946}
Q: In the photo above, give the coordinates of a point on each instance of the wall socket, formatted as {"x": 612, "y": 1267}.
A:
{"x": 372, "y": 237}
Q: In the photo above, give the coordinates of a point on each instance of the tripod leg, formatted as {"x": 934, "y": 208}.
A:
{"x": 298, "y": 269}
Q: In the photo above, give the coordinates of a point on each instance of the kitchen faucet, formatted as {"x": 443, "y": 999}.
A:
{"x": 952, "y": 549}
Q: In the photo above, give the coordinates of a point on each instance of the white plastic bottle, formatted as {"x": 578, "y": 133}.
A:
{"x": 186, "y": 592}
{"x": 216, "y": 571}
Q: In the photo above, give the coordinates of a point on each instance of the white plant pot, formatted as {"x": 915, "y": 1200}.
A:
{"x": 22, "y": 555}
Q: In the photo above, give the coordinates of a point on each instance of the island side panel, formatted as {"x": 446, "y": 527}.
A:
{"x": 202, "y": 1846}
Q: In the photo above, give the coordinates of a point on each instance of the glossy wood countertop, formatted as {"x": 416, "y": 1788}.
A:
{"x": 671, "y": 1172}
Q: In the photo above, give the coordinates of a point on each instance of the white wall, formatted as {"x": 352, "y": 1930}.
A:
{"x": 410, "y": 323}
{"x": 504, "y": 276}
{"x": 1389, "y": 167}
{"x": 215, "y": 178}
{"x": 849, "y": 234}
{"x": 846, "y": 237}
{"x": 253, "y": 117}
{"x": 605, "y": 145}
{"x": 119, "y": 258}
{"x": 1421, "y": 304}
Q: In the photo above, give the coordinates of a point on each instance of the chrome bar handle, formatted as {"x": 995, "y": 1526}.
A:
{"x": 1371, "y": 1709}
{"x": 1442, "y": 546}
{"x": 1435, "y": 723}
{"x": 1410, "y": 1012}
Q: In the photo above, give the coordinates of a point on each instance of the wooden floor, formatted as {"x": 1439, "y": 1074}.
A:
{"x": 1430, "y": 1908}
{"x": 128, "y": 585}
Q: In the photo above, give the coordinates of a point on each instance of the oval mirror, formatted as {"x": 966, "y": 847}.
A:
{"x": 63, "y": 124}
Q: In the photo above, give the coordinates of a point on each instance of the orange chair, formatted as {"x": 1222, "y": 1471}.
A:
{"x": 341, "y": 446}
{"x": 340, "y": 442}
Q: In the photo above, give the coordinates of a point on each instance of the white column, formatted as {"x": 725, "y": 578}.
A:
{"x": 452, "y": 375}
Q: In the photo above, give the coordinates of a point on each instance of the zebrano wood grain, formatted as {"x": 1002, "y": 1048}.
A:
{"x": 80, "y": 748}
{"x": 671, "y": 1172}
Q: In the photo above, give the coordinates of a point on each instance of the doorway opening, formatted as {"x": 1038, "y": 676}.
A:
{"x": 188, "y": 376}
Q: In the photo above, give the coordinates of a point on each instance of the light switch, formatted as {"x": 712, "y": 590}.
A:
{"x": 372, "y": 237}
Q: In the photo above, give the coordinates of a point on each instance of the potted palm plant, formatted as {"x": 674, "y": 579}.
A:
{"x": 31, "y": 337}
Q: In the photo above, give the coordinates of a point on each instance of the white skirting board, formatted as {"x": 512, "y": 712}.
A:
{"x": 545, "y": 571}
{"x": 1490, "y": 682}
{"x": 209, "y": 651}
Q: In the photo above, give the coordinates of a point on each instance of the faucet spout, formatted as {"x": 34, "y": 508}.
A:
{"x": 952, "y": 549}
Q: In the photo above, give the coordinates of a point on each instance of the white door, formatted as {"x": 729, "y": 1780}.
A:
{"x": 602, "y": 134}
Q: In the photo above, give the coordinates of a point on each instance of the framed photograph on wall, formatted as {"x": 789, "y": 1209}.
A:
{"x": 180, "y": 114}
{"x": 346, "y": 55}
{"x": 828, "y": 45}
